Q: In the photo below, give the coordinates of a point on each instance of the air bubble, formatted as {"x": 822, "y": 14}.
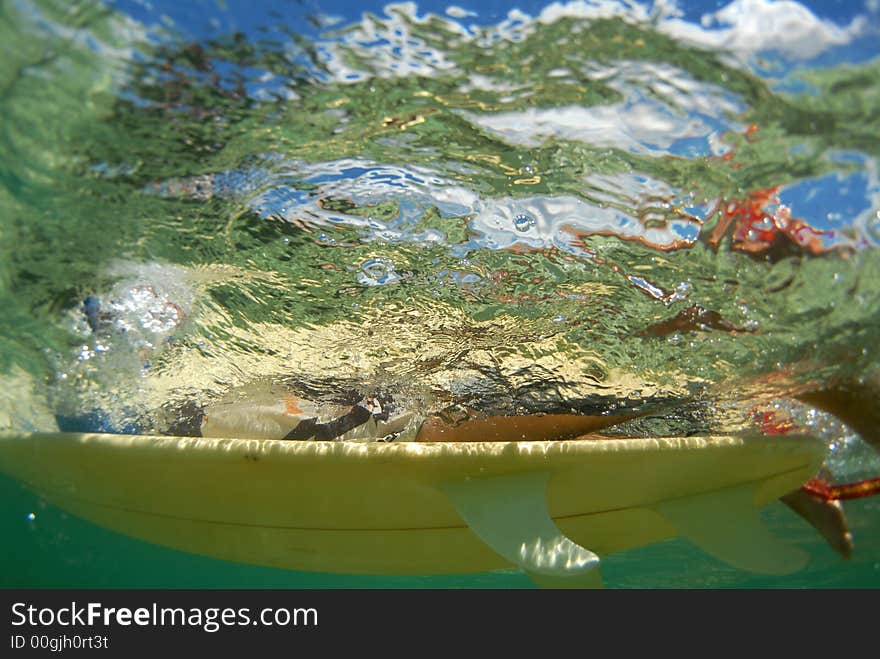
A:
{"x": 377, "y": 272}
{"x": 524, "y": 222}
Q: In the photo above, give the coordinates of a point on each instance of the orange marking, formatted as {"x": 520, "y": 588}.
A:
{"x": 290, "y": 408}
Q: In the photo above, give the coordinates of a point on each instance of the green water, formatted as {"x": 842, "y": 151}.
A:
{"x": 58, "y": 550}
{"x": 409, "y": 207}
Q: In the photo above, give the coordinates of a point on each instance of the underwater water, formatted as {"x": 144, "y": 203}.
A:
{"x": 587, "y": 207}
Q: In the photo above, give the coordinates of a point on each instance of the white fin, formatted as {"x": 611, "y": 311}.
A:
{"x": 509, "y": 513}
{"x": 726, "y": 525}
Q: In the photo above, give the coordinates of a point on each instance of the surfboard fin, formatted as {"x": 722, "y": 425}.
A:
{"x": 509, "y": 513}
{"x": 726, "y": 525}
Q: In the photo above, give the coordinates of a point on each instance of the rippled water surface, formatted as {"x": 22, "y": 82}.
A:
{"x": 577, "y": 207}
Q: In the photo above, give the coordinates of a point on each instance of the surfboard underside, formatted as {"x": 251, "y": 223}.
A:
{"x": 413, "y": 508}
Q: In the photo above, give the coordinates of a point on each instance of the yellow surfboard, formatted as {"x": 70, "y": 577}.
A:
{"x": 550, "y": 508}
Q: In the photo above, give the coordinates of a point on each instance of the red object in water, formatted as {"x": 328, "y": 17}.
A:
{"x": 858, "y": 490}
{"x": 771, "y": 424}
{"x": 756, "y": 229}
